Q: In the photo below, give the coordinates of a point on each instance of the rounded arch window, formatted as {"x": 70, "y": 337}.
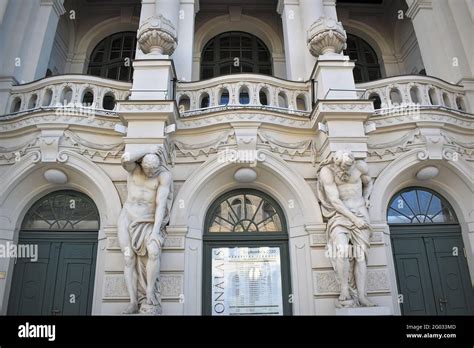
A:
{"x": 235, "y": 52}
{"x": 416, "y": 205}
{"x": 367, "y": 67}
{"x": 246, "y": 250}
{"x": 112, "y": 57}
{"x": 246, "y": 211}
{"x": 62, "y": 210}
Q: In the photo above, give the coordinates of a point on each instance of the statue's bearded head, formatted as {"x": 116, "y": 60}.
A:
{"x": 344, "y": 161}
{"x": 150, "y": 165}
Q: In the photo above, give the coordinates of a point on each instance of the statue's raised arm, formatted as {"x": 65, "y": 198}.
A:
{"x": 130, "y": 158}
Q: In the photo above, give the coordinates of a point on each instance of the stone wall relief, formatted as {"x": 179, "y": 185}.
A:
{"x": 50, "y": 146}
{"x": 431, "y": 143}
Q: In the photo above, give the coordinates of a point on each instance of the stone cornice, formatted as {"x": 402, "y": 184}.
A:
{"x": 219, "y": 118}
{"x": 342, "y": 110}
{"x": 442, "y": 118}
{"x": 57, "y": 5}
{"x": 29, "y": 120}
{"x": 147, "y": 110}
{"x": 281, "y": 4}
{"x": 51, "y": 142}
{"x": 417, "y": 5}
{"x": 191, "y": 2}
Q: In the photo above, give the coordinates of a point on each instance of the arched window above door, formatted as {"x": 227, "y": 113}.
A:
{"x": 245, "y": 212}
{"x": 60, "y": 211}
{"x": 112, "y": 57}
{"x": 417, "y": 205}
{"x": 235, "y": 52}
{"x": 367, "y": 66}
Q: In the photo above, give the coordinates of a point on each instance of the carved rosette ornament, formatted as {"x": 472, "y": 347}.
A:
{"x": 326, "y": 36}
{"x": 157, "y": 35}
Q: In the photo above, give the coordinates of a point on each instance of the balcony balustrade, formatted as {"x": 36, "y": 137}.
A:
{"x": 241, "y": 91}
{"x": 233, "y": 92}
{"x": 408, "y": 90}
{"x": 68, "y": 91}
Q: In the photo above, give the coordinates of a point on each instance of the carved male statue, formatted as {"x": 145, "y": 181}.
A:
{"x": 141, "y": 226}
{"x": 344, "y": 188}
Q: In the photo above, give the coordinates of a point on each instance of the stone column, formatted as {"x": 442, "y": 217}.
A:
{"x": 157, "y": 40}
{"x": 294, "y": 39}
{"x": 183, "y": 56}
{"x": 326, "y": 39}
{"x": 435, "y": 22}
{"x": 151, "y": 107}
{"x": 330, "y": 8}
{"x": 443, "y": 21}
{"x": 3, "y": 9}
{"x": 43, "y": 31}
{"x": 12, "y": 47}
{"x": 311, "y": 11}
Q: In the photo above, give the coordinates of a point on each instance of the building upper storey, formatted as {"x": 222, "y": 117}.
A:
{"x": 275, "y": 43}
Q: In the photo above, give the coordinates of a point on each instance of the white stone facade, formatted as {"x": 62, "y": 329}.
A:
{"x": 314, "y": 108}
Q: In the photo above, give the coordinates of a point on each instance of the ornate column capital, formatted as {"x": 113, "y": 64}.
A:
{"x": 157, "y": 34}
{"x": 326, "y": 35}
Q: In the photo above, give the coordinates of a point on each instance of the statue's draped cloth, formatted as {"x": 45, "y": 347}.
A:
{"x": 359, "y": 238}
{"x": 141, "y": 235}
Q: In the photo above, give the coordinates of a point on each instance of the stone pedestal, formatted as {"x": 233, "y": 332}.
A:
{"x": 153, "y": 79}
{"x": 333, "y": 73}
{"x": 364, "y": 311}
{"x": 146, "y": 121}
{"x": 340, "y": 125}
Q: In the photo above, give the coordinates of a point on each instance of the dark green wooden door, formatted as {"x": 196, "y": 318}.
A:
{"x": 33, "y": 282}
{"x": 432, "y": 271}
{"x": 414, "y": 281}
{"x": 61, "y": 281}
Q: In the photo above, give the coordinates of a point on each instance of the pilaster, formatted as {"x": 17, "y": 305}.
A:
{"x": 294, "y": 39}
{"x": 43, "y": 29}
{"x": 183, "y": 56}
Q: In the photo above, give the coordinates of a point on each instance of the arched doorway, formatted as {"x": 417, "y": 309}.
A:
{"x": 235, "y": 52}
{"x": 429, "y": 255}
{"x": 60, "y": 230}
{"x": 246, "y": 263}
